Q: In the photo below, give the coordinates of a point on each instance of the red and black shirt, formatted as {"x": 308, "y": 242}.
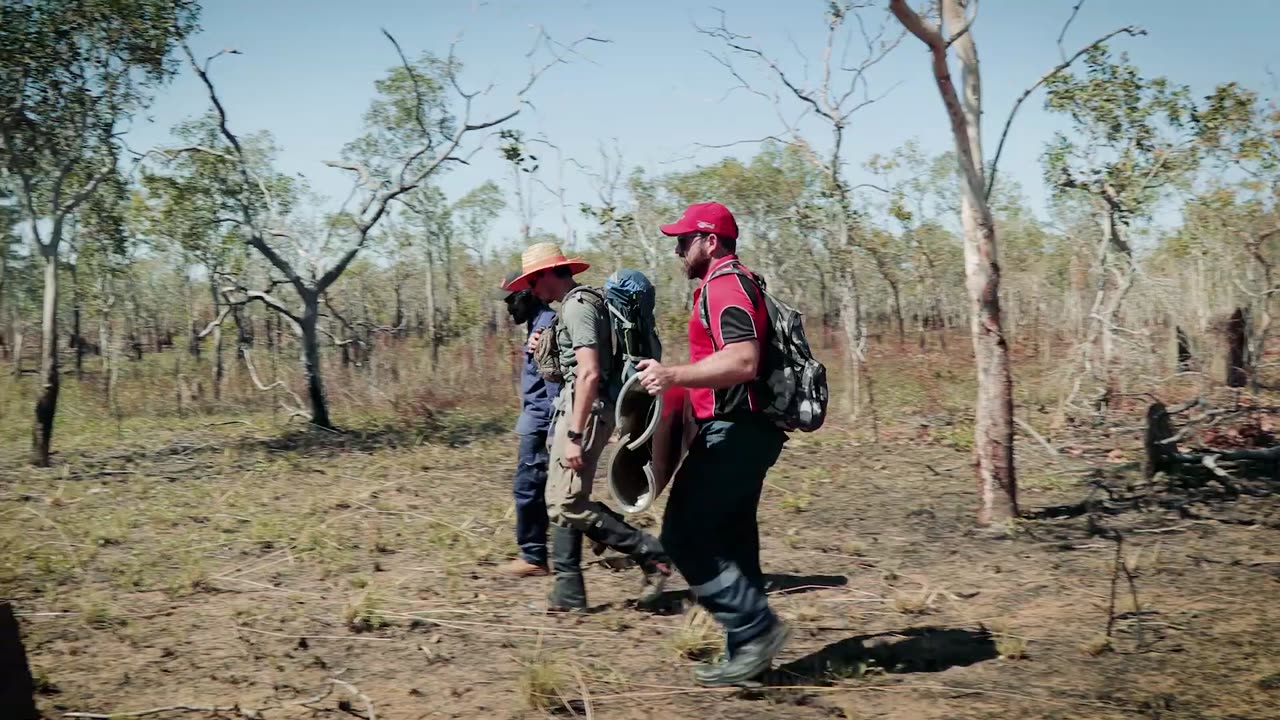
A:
{"x": 737, "y": 313}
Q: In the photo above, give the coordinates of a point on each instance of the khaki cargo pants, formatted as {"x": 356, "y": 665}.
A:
{"x": 568, "y": 493}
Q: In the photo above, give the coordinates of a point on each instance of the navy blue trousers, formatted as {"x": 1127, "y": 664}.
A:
{"x": 531, "y": 506}
{"x": 709, "y": 528}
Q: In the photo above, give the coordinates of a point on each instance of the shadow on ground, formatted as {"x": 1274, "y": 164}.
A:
{"x": 673, "y": 602}
{"x": 918, "y": 650}
{"x": 452, "y": 429}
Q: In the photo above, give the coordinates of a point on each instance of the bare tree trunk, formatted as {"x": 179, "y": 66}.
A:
{"x": 311, "y": 362}
{"x": 855, "y": 331}
{"x": 219, "y": 369}
{"x": 433, "y": 330}
{"x": 19, "y": 334}
{"x": 76, "y": 310}
{"x": 107, "y": 303}
{"x": 47, "y": 405}
{"x": 993, "y": 431}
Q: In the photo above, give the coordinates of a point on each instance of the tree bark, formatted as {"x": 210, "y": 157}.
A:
{"x": 19, "y": 334}
{"x": 47, "y": 404}
{"x": 993, "y": 431}
{"x": 219, "y": 369}
{"x": 433, "y": 329}
{"x": 76, "y": 327}
{"x": 311, "y": 362}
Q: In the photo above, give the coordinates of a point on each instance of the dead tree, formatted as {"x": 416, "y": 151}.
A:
{"x": 263, "y": 231}
{"x": 842, "y": 93}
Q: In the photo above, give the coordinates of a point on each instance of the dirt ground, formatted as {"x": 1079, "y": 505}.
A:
{"x": 227, "y": 565}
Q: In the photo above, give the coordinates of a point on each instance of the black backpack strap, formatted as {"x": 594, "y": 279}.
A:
{"x": 704, "y": 312}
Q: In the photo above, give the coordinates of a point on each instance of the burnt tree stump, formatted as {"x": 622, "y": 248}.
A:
{"x": 1159, "y": 454}
{"x": 17, "y": 689}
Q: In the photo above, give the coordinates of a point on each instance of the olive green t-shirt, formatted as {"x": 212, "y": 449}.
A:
{"x": 584, "y": 322}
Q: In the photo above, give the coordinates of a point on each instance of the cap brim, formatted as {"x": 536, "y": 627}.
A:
{"x": 677, "y": 228}
{"x": 522, "y": 282}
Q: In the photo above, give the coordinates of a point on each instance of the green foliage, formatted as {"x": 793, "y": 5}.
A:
{"x": 196, "y": 203}
{"x": 1132, "y": 136}
{"x": 72, "y": 72}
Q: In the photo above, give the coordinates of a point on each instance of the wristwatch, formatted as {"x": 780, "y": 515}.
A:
{"x": 573, "y": 436}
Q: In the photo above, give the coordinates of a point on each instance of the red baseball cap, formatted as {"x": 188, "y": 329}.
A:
{"x": 709, "y": 217}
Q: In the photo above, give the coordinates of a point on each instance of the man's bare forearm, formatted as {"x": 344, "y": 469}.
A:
{"x": 586, "y": 388}
{"x": 733, "y": 365}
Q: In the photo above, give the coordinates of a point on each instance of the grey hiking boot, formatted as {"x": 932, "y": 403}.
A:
{"x": 656, "y": 571}
{"x": 748, "y": 663}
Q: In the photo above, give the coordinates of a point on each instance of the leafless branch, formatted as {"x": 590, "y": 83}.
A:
{"x": 256, "y": 239}
{"x": 1062, "y": 53}
{"x": 1026, "y": 426}
{"x": 731, "y": 40}
{"x": 359, "y": 169}
{"x": 368, "y": 704}
{"x": 266, "y": 298}
{"x": 413, "y": 77}
{"x": 214, "y": 323}
{"x": 1130, "y": 30}
{"x": 296, "y": 410}
{"x": 248, "y": 713}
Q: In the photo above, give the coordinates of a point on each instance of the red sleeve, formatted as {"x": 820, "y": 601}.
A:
{"x": 733, "y": 306}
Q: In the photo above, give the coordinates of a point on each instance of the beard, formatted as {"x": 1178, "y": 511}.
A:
{"x": 696, "y": 268}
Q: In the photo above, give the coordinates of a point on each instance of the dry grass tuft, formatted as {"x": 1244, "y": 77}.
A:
{"x": 1008, "y": 645}
{"x": 698, "y": 637}
{"x": 545, "y": 678}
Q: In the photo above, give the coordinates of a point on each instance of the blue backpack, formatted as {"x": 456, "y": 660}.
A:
{"x": 630, "y": 298}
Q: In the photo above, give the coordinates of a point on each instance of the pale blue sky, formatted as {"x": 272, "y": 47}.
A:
{"x": 308, "y": 66}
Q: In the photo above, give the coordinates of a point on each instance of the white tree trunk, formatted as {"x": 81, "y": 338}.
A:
{"x": 47, "y": 405}
{"x": 993, "y": 431}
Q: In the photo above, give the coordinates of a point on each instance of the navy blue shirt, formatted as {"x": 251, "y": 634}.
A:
{"x": 536, "y": 393}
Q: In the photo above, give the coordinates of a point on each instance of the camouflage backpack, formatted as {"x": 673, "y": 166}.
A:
{"x": 792, "y": 384}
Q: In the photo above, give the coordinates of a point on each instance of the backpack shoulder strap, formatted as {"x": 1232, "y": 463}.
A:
{"x": 601, "y": 306}
{"x": 733, "y": 268}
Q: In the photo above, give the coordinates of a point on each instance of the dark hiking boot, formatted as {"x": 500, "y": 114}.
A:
{"x": 656, "y": 573}
{"x": 568, "y": 591}
{"x": 748, "y": 662}
{"x": 612, "y": 530}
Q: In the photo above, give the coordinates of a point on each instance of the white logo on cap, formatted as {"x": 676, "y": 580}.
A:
{"x": 703, "y": 224}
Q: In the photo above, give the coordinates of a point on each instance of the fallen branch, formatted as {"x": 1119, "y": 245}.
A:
{"x": 243, "y": 712}
{"x": 368, "y": 704}
{"x": 1026, "y": 426}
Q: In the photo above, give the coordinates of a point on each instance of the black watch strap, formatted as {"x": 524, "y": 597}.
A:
{"x": 573, "y": 436}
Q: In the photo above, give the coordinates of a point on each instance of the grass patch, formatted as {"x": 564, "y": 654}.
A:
{"x": 698, "y": 637}
{"x": 365, "y": 612}
{"x": 1008, "y": 645}
{"x": 913, "y": 603}
{"x": 545, "y": 679}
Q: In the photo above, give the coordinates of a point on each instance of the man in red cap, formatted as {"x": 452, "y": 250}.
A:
{"x": 709, "y": 529}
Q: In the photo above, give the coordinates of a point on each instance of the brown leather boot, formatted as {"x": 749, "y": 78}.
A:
{"x": 521, "y": 568}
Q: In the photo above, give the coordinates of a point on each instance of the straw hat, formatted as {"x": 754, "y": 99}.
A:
{"x": 543, "y": 256}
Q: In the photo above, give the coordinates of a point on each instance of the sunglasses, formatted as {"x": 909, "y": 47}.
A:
{"x": 685, "y": 241}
